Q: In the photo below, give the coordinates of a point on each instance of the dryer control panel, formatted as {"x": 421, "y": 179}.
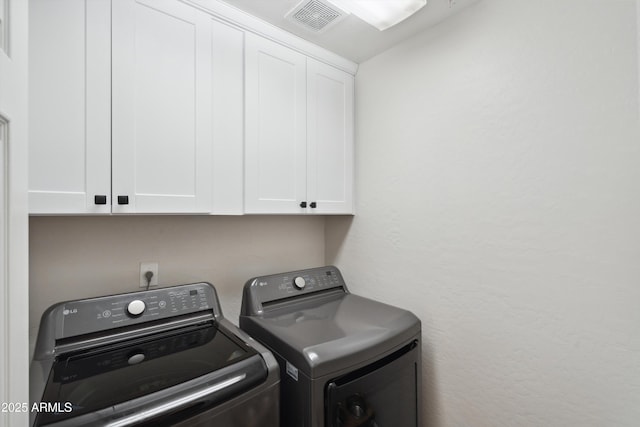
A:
{"x": 260, "y": 291}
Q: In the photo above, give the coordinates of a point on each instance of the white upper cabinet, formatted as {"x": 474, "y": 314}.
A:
{"x": 329, "y": 139}
{"x": 161, "y": 107}
{"x": 276, "y": 128}
{"x": 299, "y": 133}
{"x": 69, "y": 106}
{"x": 157, "y": 106}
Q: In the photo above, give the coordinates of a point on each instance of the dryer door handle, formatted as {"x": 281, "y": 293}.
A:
{"x": 176, "y": 404}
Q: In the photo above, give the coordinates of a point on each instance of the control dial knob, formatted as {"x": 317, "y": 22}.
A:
{"x": 299, "y": 282}
{"x": 136, "y": 307}
{"x": 136, "y": 358}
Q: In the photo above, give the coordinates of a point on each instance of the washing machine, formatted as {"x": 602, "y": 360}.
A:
{"x": 163, "y": 357}
{"x": 345, "y": 360}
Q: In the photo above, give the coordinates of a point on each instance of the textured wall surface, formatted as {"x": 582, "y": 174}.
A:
{"x": 498, "y": 179}
{"x": 81, "y": 257}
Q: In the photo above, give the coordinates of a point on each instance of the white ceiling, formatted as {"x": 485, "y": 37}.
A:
{"x": 353, "y": 38}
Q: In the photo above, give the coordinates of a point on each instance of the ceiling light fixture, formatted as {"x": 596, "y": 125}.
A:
{"x": 382, "y": 14}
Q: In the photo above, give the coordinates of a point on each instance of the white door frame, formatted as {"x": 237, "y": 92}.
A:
{"x": 14, "y": 220}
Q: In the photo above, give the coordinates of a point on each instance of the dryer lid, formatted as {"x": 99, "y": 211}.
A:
{"x": 325, "y": 335}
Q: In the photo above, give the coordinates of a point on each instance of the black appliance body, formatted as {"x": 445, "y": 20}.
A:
{"x": 162, "y": 357}
{"x": 345, "y": 360}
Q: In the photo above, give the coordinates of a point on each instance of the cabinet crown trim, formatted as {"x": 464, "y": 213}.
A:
{"x": 237, "y": 17}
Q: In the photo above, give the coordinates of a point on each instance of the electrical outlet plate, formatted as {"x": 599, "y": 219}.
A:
{"x": 148, "y": 266}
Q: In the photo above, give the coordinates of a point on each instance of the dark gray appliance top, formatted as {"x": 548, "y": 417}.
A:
{"x": 171, "y": 346}
{"x": 321, "y": 328}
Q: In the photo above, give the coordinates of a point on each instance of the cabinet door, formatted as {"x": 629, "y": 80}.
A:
{"x": 329, "y": 138}
{"x": 275, "y": 166}
{"x": 69, "y": 106}
{"x": 161, "y": 107}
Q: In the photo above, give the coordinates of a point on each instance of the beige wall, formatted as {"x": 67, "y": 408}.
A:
{"x": 79, "y": 257}
{"x": 498, "y": 181}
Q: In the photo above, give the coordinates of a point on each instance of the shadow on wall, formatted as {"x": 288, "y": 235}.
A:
{"x": 430, "y": 395}
{"x": 336, "y": 231}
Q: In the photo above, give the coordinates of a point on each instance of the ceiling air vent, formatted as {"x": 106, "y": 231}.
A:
{"x": 315, "y": 15}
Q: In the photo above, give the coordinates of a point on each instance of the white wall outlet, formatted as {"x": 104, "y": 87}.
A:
{"x": 152, "y": 267}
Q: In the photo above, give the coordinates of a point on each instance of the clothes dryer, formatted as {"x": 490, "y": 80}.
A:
{"x": 345, "y": 360}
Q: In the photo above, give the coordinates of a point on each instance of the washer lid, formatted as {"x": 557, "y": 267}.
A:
{"x": 110, "y": 380}
{"x": 327, "y": 334}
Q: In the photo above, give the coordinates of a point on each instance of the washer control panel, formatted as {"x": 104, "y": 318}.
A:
{"x": 265, "y": 289}
{"x": 99, "y": 314}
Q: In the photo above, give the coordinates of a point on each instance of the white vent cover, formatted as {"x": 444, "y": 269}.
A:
{"x": 315, "y": 15}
